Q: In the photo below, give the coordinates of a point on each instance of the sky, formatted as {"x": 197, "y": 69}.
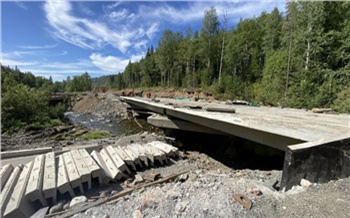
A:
{"x": 67, "y": 38}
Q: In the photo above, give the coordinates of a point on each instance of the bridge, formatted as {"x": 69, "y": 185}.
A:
{"x": 317, "y": 146}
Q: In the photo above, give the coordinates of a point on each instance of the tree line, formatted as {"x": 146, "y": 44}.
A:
{"x": 25, "y": 98}
{"x": 299, "y": 58}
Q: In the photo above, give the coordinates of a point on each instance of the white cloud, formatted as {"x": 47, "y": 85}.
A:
{"x": 13, "y": 63}
{"x": 152, "y": 30}
{"x": 38, "y": 46}
{"x": 112, "y": 64}
{"x": 21, "y": 5}
{"x": 85, "y": 9}
{"x": 140, "y": 45}
{"x": 82, "y": 32}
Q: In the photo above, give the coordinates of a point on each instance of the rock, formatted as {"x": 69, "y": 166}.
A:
{"x": 66, "y": 206}
{"x": 78, "y": 200}
{"x": 305, "y": 183}
{"x": 271, "y": 183}
{"x": 183, "y": 177}
{"x": 181, "y": 207}
{"x": 105, "y": 216}
{"x": 104, "y": 194}
{"x": 137, "y": 214}
{"x": 57, "y": 207}
{"x": 254, "y": 191}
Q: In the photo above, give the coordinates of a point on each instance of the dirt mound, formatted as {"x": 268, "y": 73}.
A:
{"x": 102, "y": 105}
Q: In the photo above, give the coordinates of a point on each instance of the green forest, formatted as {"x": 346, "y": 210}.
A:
{"x": 25, "y": 99}
{"x": 300, "y": 58}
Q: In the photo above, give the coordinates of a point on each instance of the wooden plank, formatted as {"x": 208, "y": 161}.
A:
{"x": 35, "y": 182}
{"x": 63, "y": 184}
{"x": 50, "y": 179}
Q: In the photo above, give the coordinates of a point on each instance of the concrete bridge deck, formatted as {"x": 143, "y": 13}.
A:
{"x": 270, "y": 126}
{"x": 317, "y": 146}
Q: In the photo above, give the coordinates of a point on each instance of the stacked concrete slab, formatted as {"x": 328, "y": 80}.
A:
{"x": 38, "y": 182}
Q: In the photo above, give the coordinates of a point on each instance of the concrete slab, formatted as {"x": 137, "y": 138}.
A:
{"x": 139, "y": 154}
{"x": 171, "y": 123}
{"x": 5, "y": 173}
{"x": 133, "y": 156}
{"x": 35, "y": 182}
{"x": 125, "y": 157}
{"x": 72, "y": 171}
{"x": 63, "y": 184}
{"x": 19, "y": 205}
{"x": 113, "y": 169}
{"x": 50, "y": 179}
{"x": 117, "y": 160}
{"x": 8, "y": 188}
{"x": 94, "y": 169}
{"x": 83, "y": 169}
{"x": 105, "y": 175}
{"x": 24, "y": 152}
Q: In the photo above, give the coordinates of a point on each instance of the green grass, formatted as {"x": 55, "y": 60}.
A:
{"x": 95, "y": 135}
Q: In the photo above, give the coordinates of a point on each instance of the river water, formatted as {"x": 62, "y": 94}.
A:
{"x": 113, "y": 126}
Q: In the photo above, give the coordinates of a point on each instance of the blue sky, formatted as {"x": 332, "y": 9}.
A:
{"x": 66, "y": 38}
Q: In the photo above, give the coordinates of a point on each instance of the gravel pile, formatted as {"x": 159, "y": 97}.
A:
{"x": 207, "y": 189}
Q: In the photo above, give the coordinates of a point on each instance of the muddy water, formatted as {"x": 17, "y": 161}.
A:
{"x": 112, "y": 126}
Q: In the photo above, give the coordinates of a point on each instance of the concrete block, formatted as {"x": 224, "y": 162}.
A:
{"x": 35, "y": 182}
{"x": 94, "y": 169}
{"x": 142, "y": 151}
{"x": 168, "y": 149}
{"x": 118, "y": 160}
{"x": 88, "y": 148}
{"x": 125, "y": 157}
{"x": 63, "y": 184}
{"x": 105, "y": 174}
{"x": 139, "y": 154}
{"x": 113, "y": 169}
{"x": 50, "y": 179}
{"x": 318, "y": 162}
{"x": 5, "y": 173}
{"x": 158, "y": 154}
{"x": 7, "y": 190}
{"x": 83, "y": 170}
{"x": 19, "y": 205}
{"x": 72, "y": 171}
{"x": 133, "y": 156}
